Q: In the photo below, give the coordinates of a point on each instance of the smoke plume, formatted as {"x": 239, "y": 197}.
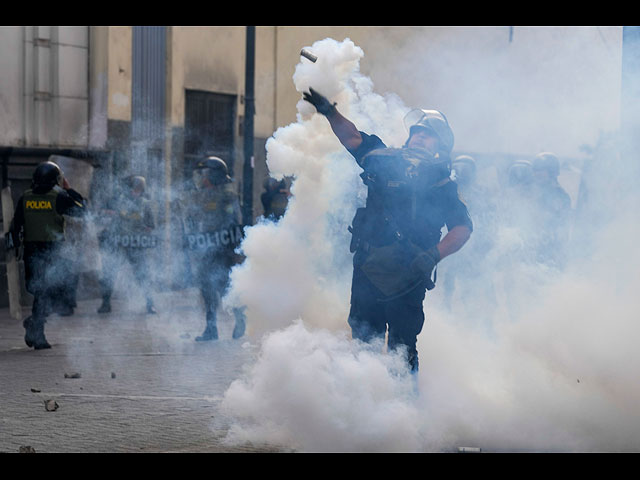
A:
{"x": 545, "y": 361}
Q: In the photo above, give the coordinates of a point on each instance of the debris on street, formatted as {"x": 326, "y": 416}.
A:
{"x": 51, "y": 405}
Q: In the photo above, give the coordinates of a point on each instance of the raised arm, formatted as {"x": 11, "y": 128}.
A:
{"x": 342, "y": 127}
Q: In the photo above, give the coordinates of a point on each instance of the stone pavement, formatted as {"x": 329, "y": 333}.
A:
{"x": 123, "y": 382}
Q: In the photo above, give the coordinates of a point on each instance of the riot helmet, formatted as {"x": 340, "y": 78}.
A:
{"x": 465, "y": 169}
{"x": 433, "y": 121}
{"x": 136, "y": 183}
{"x": 273, "y": 185}
{"x": 270, "y": 184}
{"x": 547, "y": 162}
{"x": 46, "y": 175}
{"x": 211, "y": 170}
{"x": 520, "y": 173}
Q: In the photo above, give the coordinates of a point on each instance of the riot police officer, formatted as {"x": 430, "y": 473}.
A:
{"x": 552, "y": 210}
{"x": 39, "y": 225}
{"x": 212, "y": 231}
{"x": 518, "y": 196}
{"x": 129, "y": 237}
{"x": 467, "y": 270}
{"x": 397, "y": 235}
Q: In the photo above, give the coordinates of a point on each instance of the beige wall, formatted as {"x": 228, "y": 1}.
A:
{"x": 119, "y": 67}
{"x": 43, "y": 86}
{"x": 213, "y": 59}
{"x": 512, "y": 78}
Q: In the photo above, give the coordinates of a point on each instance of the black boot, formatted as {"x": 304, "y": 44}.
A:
{"x": 40, "y": 340}
{"x": 210, "y": 333}
{"x": 34, "y": 336}
{"x": 106, "y": 305}
{"x": 30, "y": 334}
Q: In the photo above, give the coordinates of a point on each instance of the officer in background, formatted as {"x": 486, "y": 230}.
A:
{"x": 467, "y": 271}
{"x": 552, "y": 210}
{"x": 275, "y": 198}
{"x": 397, "y": 236}
{"x": 129, "y": 237}
{"x": 517, "y": 199}
{"x": 39, "y": 226}
{"x": 516, "y": 232}
{"x": 212, "y": 230}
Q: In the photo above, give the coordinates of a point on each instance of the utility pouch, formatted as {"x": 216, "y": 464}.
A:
{"x": 398, "y": 268}
{"x": 389, "y": 269}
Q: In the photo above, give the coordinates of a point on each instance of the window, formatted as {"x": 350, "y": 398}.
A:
{"x": 209, "y": 127}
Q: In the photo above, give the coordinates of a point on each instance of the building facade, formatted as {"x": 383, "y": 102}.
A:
{"x": 119, "y": 100}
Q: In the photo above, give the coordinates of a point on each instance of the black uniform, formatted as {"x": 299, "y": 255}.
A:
{"x": 412, "y": 222}
{"x": 38, "y": 218}
{"x": 129, "y": 238}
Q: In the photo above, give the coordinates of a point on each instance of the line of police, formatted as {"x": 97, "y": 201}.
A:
{"x": 211, "y": 231}
{"x": 397, "y": 237}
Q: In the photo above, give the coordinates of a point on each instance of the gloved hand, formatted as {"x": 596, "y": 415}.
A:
{"x": 425, "y": 262}
{"x": 322, "y": 104}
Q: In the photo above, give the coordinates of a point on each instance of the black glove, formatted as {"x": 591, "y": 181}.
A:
{"x": 321, "y": 102}
{"x": 425, "y": 262}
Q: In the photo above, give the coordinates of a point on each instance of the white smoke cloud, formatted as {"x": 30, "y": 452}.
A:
{"x": 551, "y": 366}
{"x": 300, "y": 268}
{"x": 307, "y": 390}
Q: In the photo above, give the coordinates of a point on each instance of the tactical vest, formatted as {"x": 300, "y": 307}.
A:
{"x": 212, "y": 220}
{"x": 401, "y": 219}
{"x": 42, "y": 223}
{"x": 399, "y": 182}
{"x": 131, "y": 215}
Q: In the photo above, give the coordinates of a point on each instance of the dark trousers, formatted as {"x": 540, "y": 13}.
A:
{"x": 371, "y": 315}
{"x": 46, "y": 277}
{"x": 212, "y": 279}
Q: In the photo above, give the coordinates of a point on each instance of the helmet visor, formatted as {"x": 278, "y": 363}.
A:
{"x": 424, "y": 118}
{"x": 432, "y": 120}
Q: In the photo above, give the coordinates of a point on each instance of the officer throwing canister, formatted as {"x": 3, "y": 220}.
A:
{"x": 396, "y": 236}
